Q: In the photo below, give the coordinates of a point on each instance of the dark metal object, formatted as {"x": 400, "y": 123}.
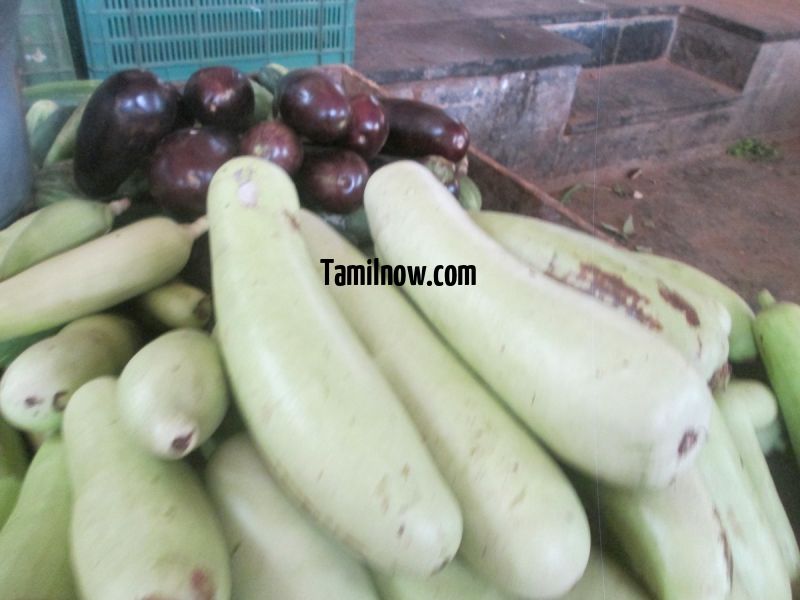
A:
{"x": 15, "y": 164}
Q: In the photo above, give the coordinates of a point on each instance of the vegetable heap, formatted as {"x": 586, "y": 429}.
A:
{"x": 564, "y": 428}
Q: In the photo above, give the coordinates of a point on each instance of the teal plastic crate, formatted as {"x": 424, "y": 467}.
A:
{"x": 44, "y": 52}
{"x": 173, "y": 38}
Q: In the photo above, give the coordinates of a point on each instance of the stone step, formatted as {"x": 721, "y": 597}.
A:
{"x": 621, "y": 95}
{"x": 425, "y": 51}
{"x": 550, "y": 87}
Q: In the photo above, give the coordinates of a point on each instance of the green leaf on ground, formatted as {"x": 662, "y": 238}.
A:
{"x": 753, "y": 149}
{"x": 619, "y": 190}
{"x": 628, "y": 229}
{"x": 567, "y": 195}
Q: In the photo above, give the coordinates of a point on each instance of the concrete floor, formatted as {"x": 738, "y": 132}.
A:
{"x": 739, "y": 220}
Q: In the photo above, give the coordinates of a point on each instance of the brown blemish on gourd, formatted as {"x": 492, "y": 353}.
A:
{"x": 688, "y": 441}
{"x": 679, "y": 303}
{"x": 60, "y": 399}
{"x": 202, "y": 586}
{"x": 292, "y": 220}
{"x": 32, "y": 401}
{"x": 181, "y": 443}
{"x": 726, "y": 546}
{"x": 611, "y": 289}
{"x": 719, "y": 380}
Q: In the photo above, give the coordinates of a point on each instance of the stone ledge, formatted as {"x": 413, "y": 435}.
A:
{"x": 620, "y": 41}
{"x": 719, "y": 54}
{"x": 641, "y": 92}
{"x": 725, "y": 24}
{"x": 464, "y": 48}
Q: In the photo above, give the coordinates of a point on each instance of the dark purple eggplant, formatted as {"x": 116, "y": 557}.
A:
{"x": 368, "y": 128}
{"x": 313, "y": 105}
{"x": 183, "y": 165}
{"x": 183, "y": 116}
{"x": 419, "y": 129}
{"x": 333, "y": 180}
{"x": 124, "y": 119}
{"x": 221, "y": 97}
{"x": 275, "y": 142}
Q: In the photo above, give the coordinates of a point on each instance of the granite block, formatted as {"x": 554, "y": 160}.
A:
{"x": 725, "y": 23}
{"x": 644, "y": 40}
{"x": 773, "y": 109}
{"x": 516, "y": 118}
{"x": 630, "y": 11}
{"x": 595, "y": 149}
{"x": 775, "y": 64}
{"x": 714, "y": 53}
{"x": 538, "y": 11}
{"x": 601, "y": 41}
{"x": 464, "y": 48}
{"x": 627, "y": 94}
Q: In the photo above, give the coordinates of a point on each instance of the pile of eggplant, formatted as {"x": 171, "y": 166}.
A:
{"x": 135, "y": 125}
